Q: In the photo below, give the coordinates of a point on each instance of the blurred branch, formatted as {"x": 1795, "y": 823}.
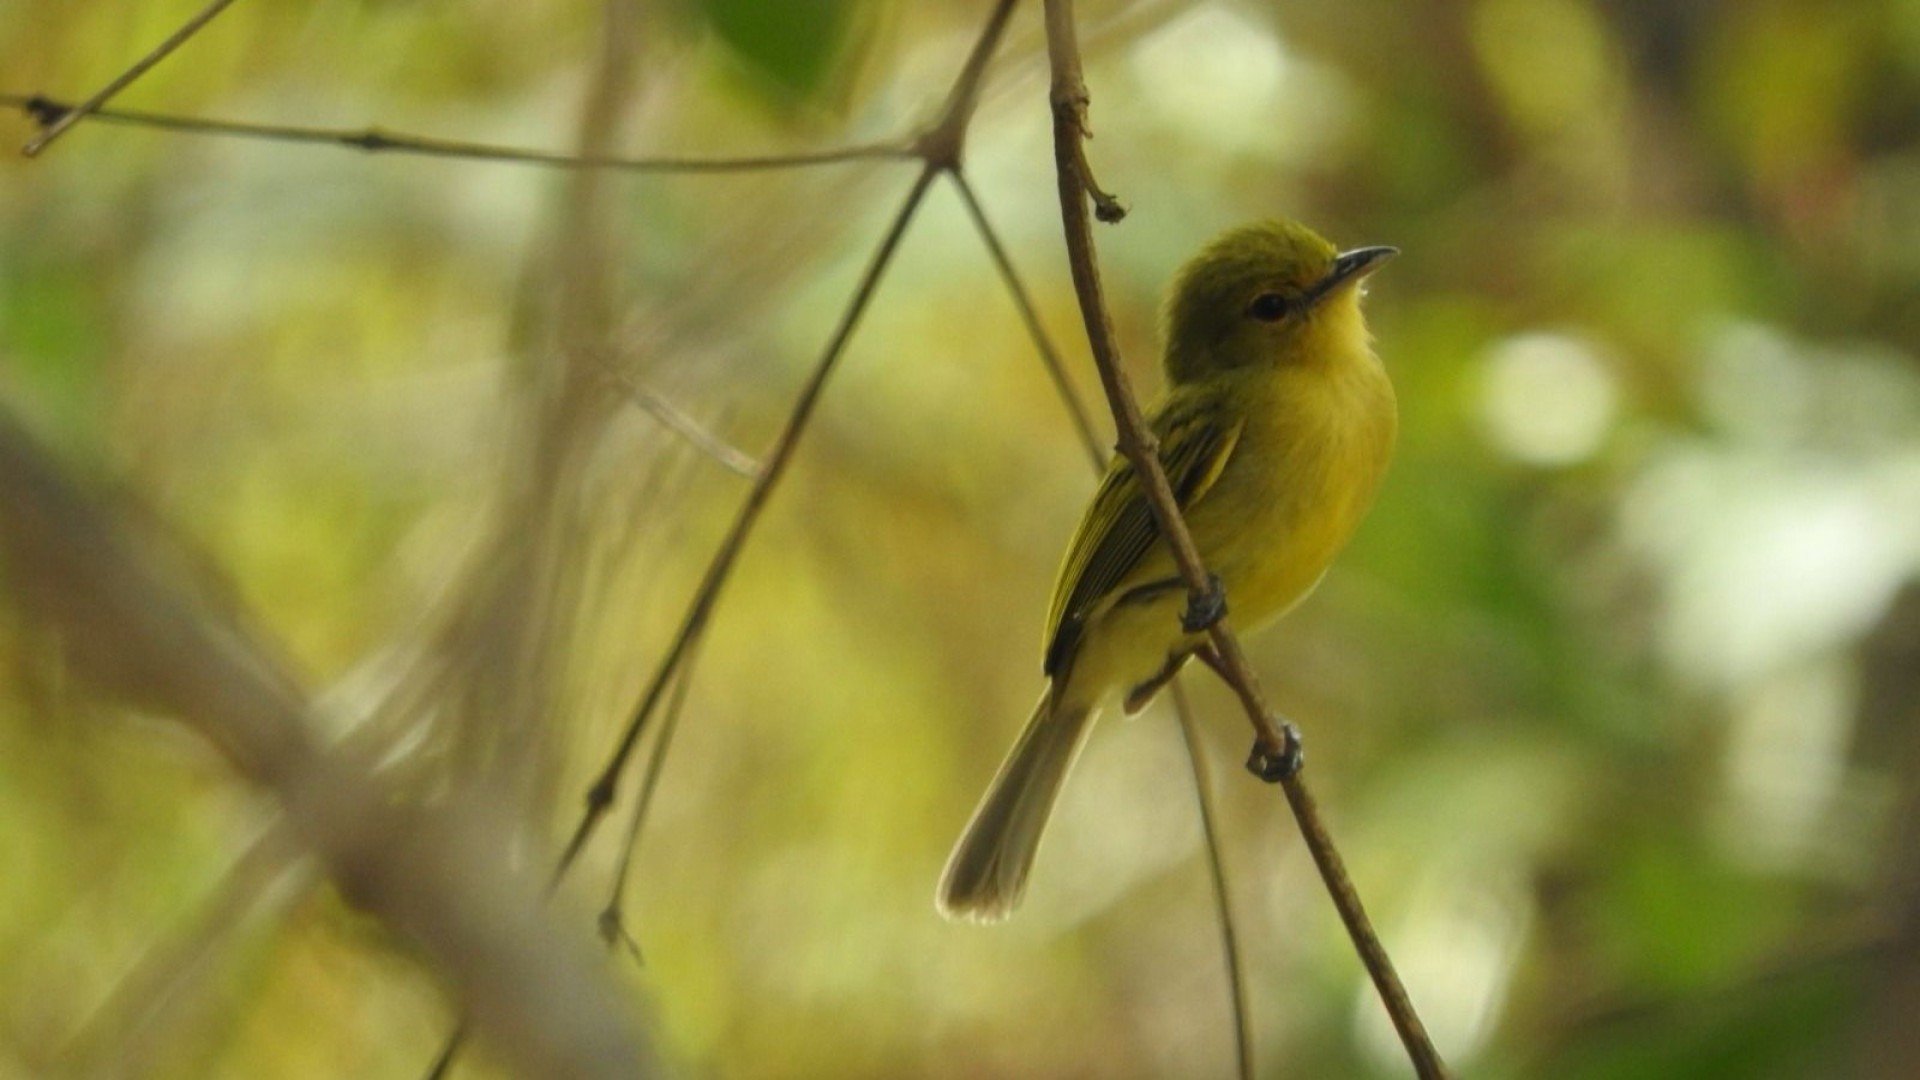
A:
{"x": 135, "y": 628}
{"x": 730, "y": 457}
{"x": 151, "y": 1004}
{"x": 1217, "y": 872}
{"x": 51, "y": 114}
{"x": 601, "y": 795}
{"x": 524, "y": 636}
{"x": 1276, "y": 753}
{"x": 55, "y": 127}
{"x": 1841, "y": 952}
{"x": 1886, "y": 1042}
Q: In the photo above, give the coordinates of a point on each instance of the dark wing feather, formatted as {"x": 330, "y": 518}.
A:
{"x": 1118, "y": 529}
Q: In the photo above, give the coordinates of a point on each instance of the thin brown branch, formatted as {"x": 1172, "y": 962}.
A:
{"x": 940, "y": 148}
{"x": 1183, "y": 708}
{"x": 1373, "y": 955}
{"x": 613, "y": 922}
{"x": 605, "y": 787}
{"x": 91, "y": 106}
{"x": 942, "y": 144}
{"x": 1217, "y": 873}
{"x": 137, "y": 626}
{"x": 1276, "y": 754}
{"x": 50, "y": 113}
{"x": 1017, "y": 289}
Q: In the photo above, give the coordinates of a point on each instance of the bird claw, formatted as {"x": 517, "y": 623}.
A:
{"x": 1285, "y": 765}
{"x": 1205, "y": 609}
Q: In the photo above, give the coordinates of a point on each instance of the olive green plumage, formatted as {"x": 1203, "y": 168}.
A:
{"x": 1274, "y": 431}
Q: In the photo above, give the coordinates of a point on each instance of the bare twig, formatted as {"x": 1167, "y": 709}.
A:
{"x": 940, "y": 146}
{"x": 50, "y": 114}
{"x": 134, "y": 626}
{"x": 1217, "y": 872}
{"x": 1049, "y": 356}
{"x": 601, "y": 795}
{"x": 613, "y": 924}
{"x": 69, "y": 117}
{"x": 1183, "y": 708}
{"x": 1276, "y": 753}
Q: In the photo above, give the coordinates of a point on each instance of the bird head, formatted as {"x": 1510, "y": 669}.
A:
{"x": 1271, "y": 293}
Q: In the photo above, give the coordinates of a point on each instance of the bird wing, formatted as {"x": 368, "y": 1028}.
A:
{"x": 1119, "y": 529}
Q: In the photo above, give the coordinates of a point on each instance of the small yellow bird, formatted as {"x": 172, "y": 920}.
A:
{"x": 1275, "y": 431}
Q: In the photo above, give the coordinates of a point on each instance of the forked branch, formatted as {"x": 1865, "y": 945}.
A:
{"x": 54, "y": 128}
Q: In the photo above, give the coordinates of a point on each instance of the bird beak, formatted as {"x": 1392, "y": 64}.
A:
{"x": 1351, "y": 266}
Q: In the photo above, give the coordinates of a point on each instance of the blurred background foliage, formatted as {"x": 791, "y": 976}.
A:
{"x": 1612, "y": 704}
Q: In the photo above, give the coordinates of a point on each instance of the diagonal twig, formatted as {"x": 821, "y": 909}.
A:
{"x": 152, "y": 1002}
{"x": 139, "y": 628}
{"x": 1183, "y": 708}
{"x": 1217, "y": 871}
{"x": 601, "y": 795}
{"x": 613, "y": 923}
{"x": 50, "y": 113}
{"x": 1023, "y": 300}
{"x": 938, "y": 148}
{"x": 1276, "y": 753}
{"x": 69, "y": 117}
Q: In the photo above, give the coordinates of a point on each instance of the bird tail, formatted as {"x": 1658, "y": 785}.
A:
{"x": 987, "y": 872}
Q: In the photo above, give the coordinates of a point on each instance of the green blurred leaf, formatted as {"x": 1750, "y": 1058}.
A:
{"x": 794, "y": 44}
{"x": 52, "y": 336}
{"x": 1785, "y": 1023}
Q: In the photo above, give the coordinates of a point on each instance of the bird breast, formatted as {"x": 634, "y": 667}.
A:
{"x": 1312, "y": 460}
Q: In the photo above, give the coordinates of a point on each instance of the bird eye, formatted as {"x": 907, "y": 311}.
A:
{"x": 1268, "y": 307}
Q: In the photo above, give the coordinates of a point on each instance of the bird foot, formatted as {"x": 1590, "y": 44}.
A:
{"x": 1285, "y": 765}
{"x": 1205, "y": 608}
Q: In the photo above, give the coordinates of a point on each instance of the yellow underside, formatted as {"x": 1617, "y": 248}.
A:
{"x": 1304, "y": 472}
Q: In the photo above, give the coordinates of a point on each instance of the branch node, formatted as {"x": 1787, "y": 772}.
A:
{"x": 1205, "y": 607}
{"x": 372, "y": 140}
{"x": 613, "y": 931}
{"x": 45, "y": 111}
{"x": 1276, "y": 767}
{"x": 942, "y": 144}
{"x": 601, "y": 794}
{"x": 1070, "y": 108}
